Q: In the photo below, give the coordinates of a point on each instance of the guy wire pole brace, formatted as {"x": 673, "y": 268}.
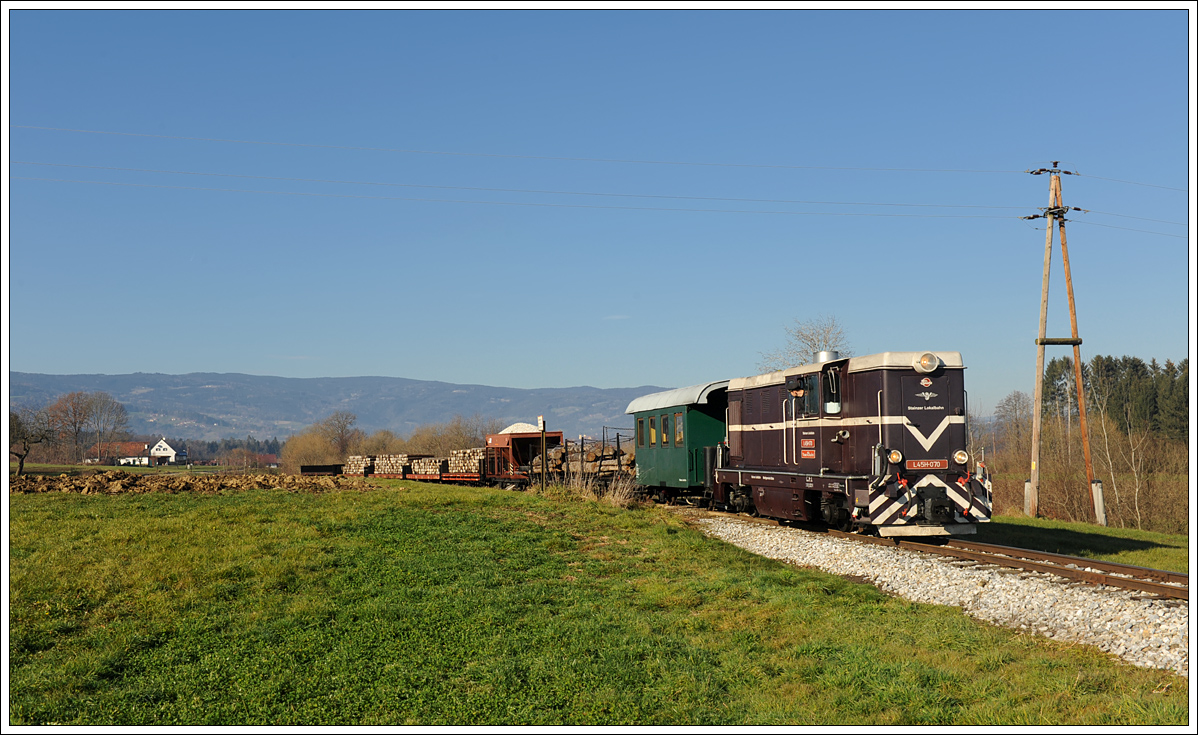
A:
{"x": 1055, "y": 212}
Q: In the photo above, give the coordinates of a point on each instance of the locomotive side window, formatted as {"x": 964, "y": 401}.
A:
{"x": 640, "y": 432}
{"x": 677, "y": 429}
{"x": 665, "y": 429}
{"x": 805, "y": 390}
{"x": 832, "y": 391}
{"x": 652, "y": 431}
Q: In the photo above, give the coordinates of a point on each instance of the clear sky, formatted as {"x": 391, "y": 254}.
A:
{"x": 612, "y": 198}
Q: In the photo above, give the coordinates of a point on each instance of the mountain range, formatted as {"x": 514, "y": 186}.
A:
{"x": 211, "y": 406}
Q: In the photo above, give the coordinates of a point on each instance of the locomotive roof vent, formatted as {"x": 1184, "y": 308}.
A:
{"x": 827, "y": 355}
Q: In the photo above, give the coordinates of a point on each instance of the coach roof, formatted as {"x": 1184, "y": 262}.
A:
{"x": 677, "y": 397}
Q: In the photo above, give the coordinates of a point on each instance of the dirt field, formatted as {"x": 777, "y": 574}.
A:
{"x": 109, "y": 483}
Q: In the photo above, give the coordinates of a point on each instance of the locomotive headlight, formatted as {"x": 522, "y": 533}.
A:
{"x": 927, "y": 362}
{"x": 961, "y": 457}
{"x": 895, "y": 456}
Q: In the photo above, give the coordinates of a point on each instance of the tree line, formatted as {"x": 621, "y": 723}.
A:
{"x": 336, "y": 437}
{"x": 228, "y": 447}
{"x": 70, "y": 424}
{"x": 77, "y": 425}
{"x": 1138, "y": 424}
{"x": 81, "y": 426}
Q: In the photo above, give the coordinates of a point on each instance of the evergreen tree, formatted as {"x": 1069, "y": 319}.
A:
{"x": 1173, "y": 400}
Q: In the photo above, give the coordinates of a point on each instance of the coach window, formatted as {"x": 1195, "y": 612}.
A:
{"x": 665, "y": 429}
{"x": 640, "y": 432}
{"x": 677, "y": 429}
{"x": 652, "y": 431}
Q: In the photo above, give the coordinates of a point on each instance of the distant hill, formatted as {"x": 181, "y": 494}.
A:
{"x": 212, "y": 406}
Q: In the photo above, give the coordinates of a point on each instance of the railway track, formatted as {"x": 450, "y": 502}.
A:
{"x": 1163, "y": 584}
{"x": 1170, "y": 585}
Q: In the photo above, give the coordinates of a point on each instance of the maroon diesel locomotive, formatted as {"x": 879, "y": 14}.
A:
{"x": 877, "y": 442}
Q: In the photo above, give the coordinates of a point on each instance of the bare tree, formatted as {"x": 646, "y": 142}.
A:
{"x": 803, "y": 340}
{"x": 108, "y": 418}
{"x": 381, "y": 442}
{"x": 458, "y": 433}
{"x": 305, "y": 449}
{"x": 1100, "y": 394}
{"x": 338, "y": 430}
{"x": 28, "y": 427}
{"x": 1138, "y": 436}
{"x": 71, "y": 414}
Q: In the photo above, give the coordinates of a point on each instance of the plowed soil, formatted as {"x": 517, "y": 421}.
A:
{"x": 111, "y": 483}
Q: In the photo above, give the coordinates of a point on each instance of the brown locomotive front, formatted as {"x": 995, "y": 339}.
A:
{"x": 876, "y": 441}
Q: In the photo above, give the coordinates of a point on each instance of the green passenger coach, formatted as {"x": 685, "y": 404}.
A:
{"x": 672, "y": 429}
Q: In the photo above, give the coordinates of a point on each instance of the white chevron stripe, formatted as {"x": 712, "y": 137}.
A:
{"x": 877, "y": 502}
{"x": 961, "y": 501}
{"x": 927, "y": 442}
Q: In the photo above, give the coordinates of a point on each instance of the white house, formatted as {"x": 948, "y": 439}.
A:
{"x": 163, "y": 453}
{"x": 134, "y": 453}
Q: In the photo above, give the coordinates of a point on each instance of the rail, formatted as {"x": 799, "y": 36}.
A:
{"x": 1173, "y": 585}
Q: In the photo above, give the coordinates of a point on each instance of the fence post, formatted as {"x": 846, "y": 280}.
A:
{"x": 1099, "y": 506}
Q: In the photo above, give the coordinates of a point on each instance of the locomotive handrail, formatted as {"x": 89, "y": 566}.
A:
{"x": 785, "y": 422}
{"x": 879, "y": 417}
{"x": 794, "y": 432}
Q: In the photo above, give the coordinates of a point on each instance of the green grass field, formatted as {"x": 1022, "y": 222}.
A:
{"x": 431, "y": 605}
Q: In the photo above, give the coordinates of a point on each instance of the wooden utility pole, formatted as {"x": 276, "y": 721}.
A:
{"x": 1055, "y": 213}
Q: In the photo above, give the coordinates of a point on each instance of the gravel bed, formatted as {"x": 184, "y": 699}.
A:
{"x": 1146, "y": 632}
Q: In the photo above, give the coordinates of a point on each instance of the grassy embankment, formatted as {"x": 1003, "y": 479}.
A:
{"x": 1123, "y": 545}
{"x": 435, "y": 605}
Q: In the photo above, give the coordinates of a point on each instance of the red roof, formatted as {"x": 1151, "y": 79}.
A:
{"x": 120, "y": 449}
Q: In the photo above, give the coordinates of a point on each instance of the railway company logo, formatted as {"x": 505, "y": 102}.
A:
{"x": 926, "y": 382}
{"x": 927, "y": 395}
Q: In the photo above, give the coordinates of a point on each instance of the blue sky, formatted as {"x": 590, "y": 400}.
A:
{"x": 521, "y": 268}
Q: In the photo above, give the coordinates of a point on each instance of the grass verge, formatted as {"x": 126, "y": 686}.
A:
{"x": 432, "y": 605}
{"x": 1123, "y": 545}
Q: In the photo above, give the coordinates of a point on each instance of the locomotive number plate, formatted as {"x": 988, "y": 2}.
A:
{"x": 927, "y": 464}
{"x": 807, "y": 443}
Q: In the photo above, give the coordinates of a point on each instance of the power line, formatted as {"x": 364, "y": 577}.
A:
{"x": 516, "y": 204}
{"x": 565, "y": 158}
{"x": 514, "y": 155}
{"x": 519, "y": 191}
{"x": 1129, "y": 216}
{"x": 1135, "y": 183}
{"x": 561, "y": 192}
{"x": 1129, "y": 229}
